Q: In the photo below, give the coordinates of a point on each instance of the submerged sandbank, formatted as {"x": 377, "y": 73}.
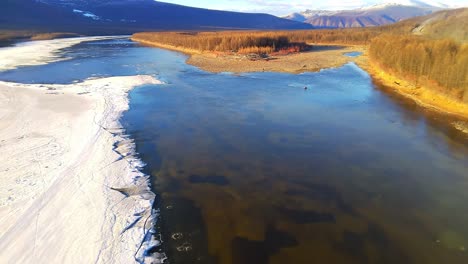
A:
{"x": 72, "y": 190}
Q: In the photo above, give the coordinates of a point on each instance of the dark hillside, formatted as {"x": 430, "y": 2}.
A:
{"x": 127, "y": 16}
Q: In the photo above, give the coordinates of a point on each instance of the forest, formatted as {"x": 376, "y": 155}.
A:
{"x": 264, "y": 42}
{"x": 435, "y": 63}
{"x": 231, "y": 41}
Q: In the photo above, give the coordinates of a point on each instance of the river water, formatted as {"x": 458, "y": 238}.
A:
{"x": 253, "y": 168}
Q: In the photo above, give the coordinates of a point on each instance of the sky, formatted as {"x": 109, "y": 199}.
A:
{"x": 284, "y": 7}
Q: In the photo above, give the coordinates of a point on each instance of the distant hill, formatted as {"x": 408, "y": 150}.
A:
{"x": 451, "y": 24}
{"x": 429, "y": 52}
{"x": 363, "y": 17}
{"x": 29, "y": 14}
{"x": 444, "y": 24}
{"x": 128, "y": 16}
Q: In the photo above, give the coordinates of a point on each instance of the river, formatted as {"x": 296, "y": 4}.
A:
{"x": 253, "y": 168}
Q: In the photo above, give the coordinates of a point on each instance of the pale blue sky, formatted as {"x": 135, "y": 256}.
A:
{"x": 283, "y": 7}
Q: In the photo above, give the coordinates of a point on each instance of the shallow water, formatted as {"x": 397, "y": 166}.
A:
{"x": 353, "y": 54}
{"x": 252, "y": 168}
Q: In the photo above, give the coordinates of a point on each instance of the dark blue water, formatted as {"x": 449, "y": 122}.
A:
{"x": 252, "y": 168}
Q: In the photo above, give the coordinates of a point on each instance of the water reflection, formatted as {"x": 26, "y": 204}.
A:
{"x": 341, "y": 173}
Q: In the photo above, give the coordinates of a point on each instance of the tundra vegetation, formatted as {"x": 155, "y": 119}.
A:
{"x": 432, "y": 63}
{"x": 262, "y": 42}
{"x": 8, "y": 37}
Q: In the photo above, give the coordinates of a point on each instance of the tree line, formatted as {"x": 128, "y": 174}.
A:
{"x": 430, "y": 62}
{"x": 256, "y": 41}
{"x": 241, "y": 42}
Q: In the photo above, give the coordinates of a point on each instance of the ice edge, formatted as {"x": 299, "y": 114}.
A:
{"x": 125, "y": 147}
{"x": 130, "y": 211}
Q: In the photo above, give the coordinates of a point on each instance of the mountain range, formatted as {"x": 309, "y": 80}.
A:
{"x": 128, "y": 16}
{"x": 363, "y": 17}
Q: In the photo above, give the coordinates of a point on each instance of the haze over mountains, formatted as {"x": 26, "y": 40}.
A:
{"x": 376, "y": 15}
{"x": 128, "y": 16}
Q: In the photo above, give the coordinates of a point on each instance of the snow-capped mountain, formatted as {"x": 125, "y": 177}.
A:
{"x": 308, "y": 14}
{"x": 375, "y": 15}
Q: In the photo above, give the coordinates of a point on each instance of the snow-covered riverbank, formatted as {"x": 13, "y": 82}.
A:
{"x": 39, "y": 52}
{"x": 72, "y": 190}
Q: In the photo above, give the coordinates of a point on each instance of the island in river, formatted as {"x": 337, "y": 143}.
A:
{"x": 319, "y": 56}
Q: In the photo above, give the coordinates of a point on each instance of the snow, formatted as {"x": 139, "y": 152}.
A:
{"x": 26, "y": 53}
{"x": 91, "y": 15}
{"x": 72, "y": 187}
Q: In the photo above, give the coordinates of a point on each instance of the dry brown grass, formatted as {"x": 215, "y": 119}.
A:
{"x": 437, "y": 64}
{"x": 313, "y": 60}
{"x": 47, "y": 36}
{"x": 9, "y": 36}
{"x": 431, "y": 98}
{"x": 261, "y": 42}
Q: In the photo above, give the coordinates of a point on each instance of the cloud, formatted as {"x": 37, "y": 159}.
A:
{"x": 281, "y": 7}
{"x": 294, "y": 4}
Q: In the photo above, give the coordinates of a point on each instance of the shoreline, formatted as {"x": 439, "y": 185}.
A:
{"x": 9, "y": 37}
{"x": 424, "y": 97}
{"x": 73, "y": 190}
{"x": 39, "y": 52}
{"x": 76, "y": 171}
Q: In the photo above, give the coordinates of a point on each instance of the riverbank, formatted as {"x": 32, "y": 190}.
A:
{"x": 39, "y": 52}
{"x": 319, "y": 57}
{"x": 8, "y": 37}
{"x": 425, "y": 97}
{"x": 71, "y": 190}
